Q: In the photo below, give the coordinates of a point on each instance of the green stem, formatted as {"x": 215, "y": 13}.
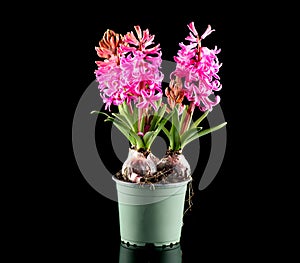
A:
{"x": 140, "y": 116}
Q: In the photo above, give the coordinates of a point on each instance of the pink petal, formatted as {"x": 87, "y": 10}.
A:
{"x": 191, "y": 26}
{"x": 191, "y": 38}
{"x": 207, "y": 32}
{"x": 138, "y": 31}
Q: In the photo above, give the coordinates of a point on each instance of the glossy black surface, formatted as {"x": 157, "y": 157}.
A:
{"x": 150, "y": 254}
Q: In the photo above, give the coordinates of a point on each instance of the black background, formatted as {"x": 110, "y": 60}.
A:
{"x": 221, "y": 220}
{"x": 232, "y": 219}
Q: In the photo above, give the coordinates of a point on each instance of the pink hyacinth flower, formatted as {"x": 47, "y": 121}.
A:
{"x": 149, "y": 99}
{"x": 198, "y": 66}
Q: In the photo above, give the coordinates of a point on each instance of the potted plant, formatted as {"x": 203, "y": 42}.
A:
{"x": 152, "y": 191}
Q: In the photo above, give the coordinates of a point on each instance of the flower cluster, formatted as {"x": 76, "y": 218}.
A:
{"x": 195, "y": 79}
{"x": 196, "y": 74}
{"x": 130, "y": 69}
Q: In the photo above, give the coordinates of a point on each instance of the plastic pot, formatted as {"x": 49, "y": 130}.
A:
{"x": 151, "y": 214}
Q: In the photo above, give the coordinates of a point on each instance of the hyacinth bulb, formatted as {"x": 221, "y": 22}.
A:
{"x": 177, "y": 166}
{"x": 139, "y": 165}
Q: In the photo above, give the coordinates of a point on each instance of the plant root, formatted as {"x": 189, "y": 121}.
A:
{"x": 190, "y": 196}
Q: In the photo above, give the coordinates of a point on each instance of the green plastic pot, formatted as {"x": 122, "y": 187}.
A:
{"x": 151, "y": 214}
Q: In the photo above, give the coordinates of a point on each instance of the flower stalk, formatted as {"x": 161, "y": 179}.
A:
{"x": 195, "y": 79}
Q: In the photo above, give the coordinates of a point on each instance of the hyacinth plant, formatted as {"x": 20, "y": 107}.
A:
{"x": 194, "y": 79}
{"x": 130, "y": 78}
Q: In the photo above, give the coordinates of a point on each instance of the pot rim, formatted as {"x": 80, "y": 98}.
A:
{"x": 156, "y": 185}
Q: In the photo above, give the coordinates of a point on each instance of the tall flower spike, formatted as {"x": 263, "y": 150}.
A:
{"x": 128, "y": 66}
{"x": 198, "y": 67}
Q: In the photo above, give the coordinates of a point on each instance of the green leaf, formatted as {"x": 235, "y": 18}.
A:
{"x": 204, "y": 132}
{"x": 197, "y": 122}
{"x": 215, "y": 128}
{"x": 126, "y": 116}
{"x": 142, "y": 123}
{"x": 100, "y": 112}
{"x": 188, "y": 134}
{"x": 175, "y": 119}
{"x": 154, "y": 121}
{"x": 164, "y": 129}
{"x": 125, "y": 108}
{"x": 129, "y": 114}
{"x": 122, "y": 119}
{"x": 158, "y": 129}
{"x": 174, "y": 132}
{"x": 132, "y": 140}
{"x": 125, "y": 131}
{"x": 146, "y": 138}
{"x": 129, "y": 134}
{"x": 157, "y": 116}
{"x": 108, "y": 117}
{"x": 158, "y": 102}
{"x": 96, "y": 111}
{"x": 120, "y": 108}
{"x": 161, "y": 113}
{"x": 135, "y": 118}
{"x": 139, "y": 141}
{"x": 124, "y": 126}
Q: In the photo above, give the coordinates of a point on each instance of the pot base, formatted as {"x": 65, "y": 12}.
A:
{"x": 165, "y": 244}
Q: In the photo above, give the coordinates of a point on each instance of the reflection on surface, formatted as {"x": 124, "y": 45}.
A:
{"x": 150, "y": 254}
